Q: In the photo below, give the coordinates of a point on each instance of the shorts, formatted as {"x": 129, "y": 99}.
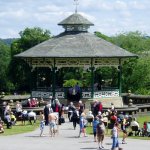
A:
{"x": 42, "y": 125}
{"x": 52, "y": 125}
{"x": 100, "y": 137}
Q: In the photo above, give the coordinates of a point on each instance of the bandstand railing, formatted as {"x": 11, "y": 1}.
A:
{"x": 85, "y": 93}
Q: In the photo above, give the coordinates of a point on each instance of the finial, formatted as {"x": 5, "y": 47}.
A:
{"x": 76, "y": 3}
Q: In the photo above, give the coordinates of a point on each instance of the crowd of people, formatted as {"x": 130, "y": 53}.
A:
{"x": 52, "y": 115}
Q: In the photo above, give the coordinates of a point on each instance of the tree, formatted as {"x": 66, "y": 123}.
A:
{"x": 136, "y": 72}
{"x": 19, "y": 70}
{"x": 4, "y": 62}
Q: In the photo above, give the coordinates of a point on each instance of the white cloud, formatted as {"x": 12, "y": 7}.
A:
{"x": 109, "y": 16}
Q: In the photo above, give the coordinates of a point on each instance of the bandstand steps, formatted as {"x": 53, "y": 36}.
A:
{"x": 106, "y": 102}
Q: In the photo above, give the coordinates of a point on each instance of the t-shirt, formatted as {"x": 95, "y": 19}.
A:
{"x": 95, "y": 123}
{"x": 114, "y": 132}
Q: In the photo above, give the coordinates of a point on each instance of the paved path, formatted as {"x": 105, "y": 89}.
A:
{"x": 66, "y": 140}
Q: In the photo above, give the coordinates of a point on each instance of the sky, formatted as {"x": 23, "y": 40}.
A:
{"x": 110, "y": 17}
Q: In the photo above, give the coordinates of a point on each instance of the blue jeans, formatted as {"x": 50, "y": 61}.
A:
{"x": 115, "y": 142}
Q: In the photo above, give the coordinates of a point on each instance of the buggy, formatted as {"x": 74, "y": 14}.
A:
{"x": 146, "y": 131}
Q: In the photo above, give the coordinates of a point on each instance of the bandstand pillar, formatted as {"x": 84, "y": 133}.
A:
{"x": 120, "y": 77}
{"x": 92, "y": 79}
{"x": 53, "y": 78}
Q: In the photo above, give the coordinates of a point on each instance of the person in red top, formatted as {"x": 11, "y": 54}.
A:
{"x": 113, "y": 118}
{"x": 144, "y": 128}
{"x": 100, "y": 106}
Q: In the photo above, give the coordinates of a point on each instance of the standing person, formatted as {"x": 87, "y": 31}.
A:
{"x": 42, "y": 123}
{"x": 100, "y": 131}
{"x": 46, "y": 113}
{"x": 81, "y": 108}
{"x": 114, "y": 133}
{"x": 112, "y": 107}
{"x": 78, "y": 91}
{"x": 94, "y": 125}
{"x": 124, "y": 125}
{"x": 82, "y": 124}
{"x": 94, "y": 108}
{"x": 71, "y": 108}
{"x": 75, "y": 118}
{"x": 100, "y": 107}
{"x": 52, "y": 124}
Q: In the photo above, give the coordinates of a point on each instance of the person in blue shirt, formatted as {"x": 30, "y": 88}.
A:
{"x": 94, "y": 124}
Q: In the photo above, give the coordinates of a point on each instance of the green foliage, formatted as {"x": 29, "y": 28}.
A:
{"x": 136, "y": 72}
{"x": 132, "y": 41}
{"x": 99, "y": 34}
{"x": 72, "y": 83}
{"x": 4, "y": 62}
{"x": 19, "y": 71}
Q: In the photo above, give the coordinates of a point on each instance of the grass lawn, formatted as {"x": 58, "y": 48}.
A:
{"x": 19, "y": 128}
{"x": 140, "y": 119}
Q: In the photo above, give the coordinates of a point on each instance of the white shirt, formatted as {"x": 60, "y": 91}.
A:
{"x": 114, "y": 132}
{"x": 31, "y": 114}
{"x": 134, "y": 123}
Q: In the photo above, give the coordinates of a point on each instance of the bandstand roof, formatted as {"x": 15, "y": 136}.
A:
{"x": 75, "y": 19}
{"x": 75, "y": 44}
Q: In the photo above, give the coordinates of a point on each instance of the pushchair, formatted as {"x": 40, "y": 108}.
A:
{"x": 146, "y": 130}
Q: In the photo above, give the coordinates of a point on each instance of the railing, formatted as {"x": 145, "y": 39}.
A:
{"x": 136, "y": 99}
{"x": 84, "y": 93}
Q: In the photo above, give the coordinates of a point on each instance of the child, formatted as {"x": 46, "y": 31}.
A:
{"x": 82, "y": 124}
{"x": 42, "y": 123}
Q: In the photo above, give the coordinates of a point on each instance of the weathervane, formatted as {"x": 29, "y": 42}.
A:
{"x": 76, "y": 3}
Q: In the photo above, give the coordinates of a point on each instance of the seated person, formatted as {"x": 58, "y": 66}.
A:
{"x": 135, "y": 126}
{"x": 90, "y": 117}
{"x": 13, "y": 118}
{"x": 32, "y": 116}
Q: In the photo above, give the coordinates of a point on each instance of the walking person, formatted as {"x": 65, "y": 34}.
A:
{"x": 75, "y": 118}
{"x": 42, "y": 123}
{"x": 114, "y": 137}
{"x": 82, "y": 124}
{"x": 71, "y": 108}
{"x": 47, "y": 110}
{"x": 52, "y": 124}
{"x": 100, "y": 132}
{"x": 94, "y": 125}
{"x": 124, "y": 125}
{"x": 81, "y": 108}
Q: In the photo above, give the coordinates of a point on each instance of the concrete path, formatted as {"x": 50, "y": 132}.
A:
{"x": 66, "y": 140}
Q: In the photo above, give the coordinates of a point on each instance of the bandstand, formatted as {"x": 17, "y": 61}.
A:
{"x": 76, "y": 47}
